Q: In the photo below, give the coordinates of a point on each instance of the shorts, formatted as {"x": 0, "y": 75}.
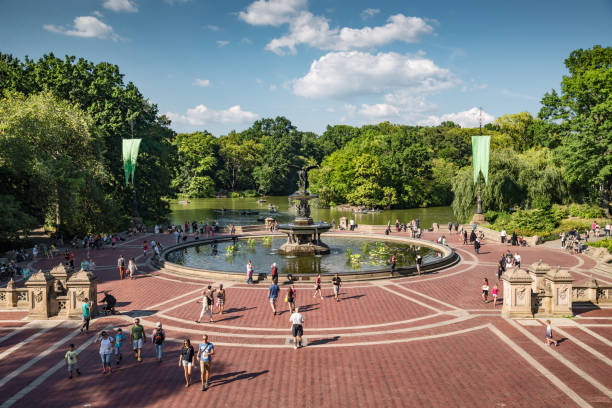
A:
{"x": 137, "y": 344}
{"x": 336, "y": 289}
{"x": 317, "y": 287}
{"x": 205, "y": 365}
{"x": 118, "y": 347}
{"x": 297, "y": 330}
{"x": 485, "y": 292}
{"x": 220, "y": 302}
{"x": 273, "y": 301}
{"x": 73, "y": 366}
{"x": 186, "y": 363}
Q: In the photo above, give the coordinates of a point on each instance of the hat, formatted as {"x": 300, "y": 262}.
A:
{"x": 274, "y": 264}
{"x": 158, "y": 325}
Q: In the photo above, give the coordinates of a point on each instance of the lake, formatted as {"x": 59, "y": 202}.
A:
{"x": 203, "y": 209}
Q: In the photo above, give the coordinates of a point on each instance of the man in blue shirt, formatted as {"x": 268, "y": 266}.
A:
{"x": 273, "y": 295}
{"x": 205, "y": 352}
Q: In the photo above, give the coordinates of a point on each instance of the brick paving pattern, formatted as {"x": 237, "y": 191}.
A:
{"x": 417, "y": 341}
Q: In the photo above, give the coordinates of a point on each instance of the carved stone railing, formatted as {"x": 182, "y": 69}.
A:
{"x": 12, "y": 297}
{"x": 591, "y": 292}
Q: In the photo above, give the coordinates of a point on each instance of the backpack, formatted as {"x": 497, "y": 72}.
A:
{"x": 159, "y": 337}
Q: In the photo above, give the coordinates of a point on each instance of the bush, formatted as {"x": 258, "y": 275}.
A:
{"x": 565, "y": 226}
{"x": 585, "y": 211}
{"x": 604, "y": 243}
{"x": 560, "y": 212}
{"x": 527, "y": 222}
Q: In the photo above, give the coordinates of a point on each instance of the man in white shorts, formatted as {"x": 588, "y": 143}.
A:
{"x": 297, "y": 330}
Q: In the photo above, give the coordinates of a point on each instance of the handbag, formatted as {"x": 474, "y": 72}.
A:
{"x": 286, "y": 299}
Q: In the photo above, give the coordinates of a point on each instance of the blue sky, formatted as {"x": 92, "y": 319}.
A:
{"x": 220, "y": 65}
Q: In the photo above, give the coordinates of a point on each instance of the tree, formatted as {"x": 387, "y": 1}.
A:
{"x": 519, "y": 127}
{"x": 239, "y": 157}
{"x": 583, "y": 111}
{"x": 197, "y": 153}
{"x": 51, "y": 165}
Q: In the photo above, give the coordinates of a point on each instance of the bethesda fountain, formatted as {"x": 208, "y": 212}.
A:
{"x": 303, "y": 235}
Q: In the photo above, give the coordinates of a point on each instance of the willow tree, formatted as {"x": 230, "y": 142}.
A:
{"x": 51, "y": 165}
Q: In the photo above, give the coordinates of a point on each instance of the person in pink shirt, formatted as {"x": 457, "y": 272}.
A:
{"x": 494, "y": 293}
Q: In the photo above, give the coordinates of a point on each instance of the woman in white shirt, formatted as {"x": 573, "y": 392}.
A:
{"x": 106, "y": 351}
{"x": 132, "y": 268}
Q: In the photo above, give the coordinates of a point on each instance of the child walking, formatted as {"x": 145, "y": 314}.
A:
{"x": 72, "y": 360}
{"x": 549, "y": 335}
{"x": 485, "y": 290}
{"x": 119, "y": 337}
{"x": 494, "y": 293}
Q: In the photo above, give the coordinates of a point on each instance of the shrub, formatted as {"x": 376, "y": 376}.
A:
{"x": 604, "y": 243}
{"x": 560, "y": 212}
{"x": 527, "y": 222}
{"x": 585, "y": 211}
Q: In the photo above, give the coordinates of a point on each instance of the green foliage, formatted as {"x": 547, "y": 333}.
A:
{"x": 50, "y": 167}
{"x": 603, "y": 243}
{"x": 231, "y": 249}
{"x": 585, "y": 211}
{"x": 528, "y": 222}
{"x": 251, "y": 243}
{"x": 267, "y": 242}
{"x": 348, "y": 252}
{"x": 117, "y": 110}
{"x": 197, "y": 152}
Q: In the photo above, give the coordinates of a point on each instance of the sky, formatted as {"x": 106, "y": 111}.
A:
{"x": 221, "y": 65}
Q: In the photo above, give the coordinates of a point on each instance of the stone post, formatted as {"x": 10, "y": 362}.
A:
{"x": 561, "y": 292}
{"x": 11, "y": 294}
{"x": 81, "y": 285}
{"x": 517, "y": 293}
{"x": 40, "y": 286}
{"x": 591, "y": 290}
{"x": 61, "y": 277}
{"x": 343, "y": 223}
{"x": 538, "y": 271}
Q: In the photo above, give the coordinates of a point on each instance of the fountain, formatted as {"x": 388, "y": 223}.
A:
{"x": 303, "y": 235}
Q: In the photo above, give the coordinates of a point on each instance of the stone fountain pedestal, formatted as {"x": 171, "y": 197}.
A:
{"x": 303, "y": 235}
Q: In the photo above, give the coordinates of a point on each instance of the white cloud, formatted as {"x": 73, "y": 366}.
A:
{"x": 315, "y": 31}
{"x": 272, "y": 87}
{"x": 369, "y": 12}
{"x": 121, "y": 5}
{"x": 201, "y": 82}
{"x": 85, "y": 27}
{"x": 97, "y": 14}
{"x": 339, "y": 74}
{"x": 201, "y": 115}
{"x": 213, "y": 27}
{"x": 272, "y": 12}
{"x": 246, "y": 40}
{"x": 468, "y": 118}
{"x": 221, "y": 43}
{"x": 172, "y": 2}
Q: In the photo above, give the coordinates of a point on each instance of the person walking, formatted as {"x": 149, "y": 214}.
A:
{"x": 145, "y": 248}
{"x": 502, "y": 235}
{"x": 186, "y": 360}
{"x": 318, "y": 287}
{"x": 72, "y": 361}
{"x": 119, "y": 338}
{"x": 485, "y": 290}
{"x": 273, "y": 296}
{"x": 477, "y": 246}
{"x": 494, "y": 293}
{"x": 563, "y": 238}
{"x": 549, "y": 335}
{"x": 205, "y": 352}
{"x": 297, "y": 328}
{"x": 419, "y": 262}
{"x": 207, "y": 302}
{"x": 138, "y": 339}
{"x": 106, "y": 351}
{"x": 86, "y": 307}
{"x": 336, "y": 282}
{"x": 157, "y": 338}
{"x": 465, "y": 237}
{"x": 393, "y": 263}
{"x": 290, "y": 298}
{"x": 221, "y": 299}
{"x": 500, "y": 268}
{"x": 132, "y": 267}
{"x": 249, "y": 272}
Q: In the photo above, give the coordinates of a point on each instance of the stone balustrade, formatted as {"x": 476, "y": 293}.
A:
{"x": 543, "y": 291}
{"x": 57, "y": 294}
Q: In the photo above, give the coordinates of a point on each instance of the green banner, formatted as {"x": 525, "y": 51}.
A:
{"x": 130, "y": 154}
{"x": 480, "y": 156}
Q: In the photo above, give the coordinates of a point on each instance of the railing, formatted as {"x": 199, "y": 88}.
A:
{"x": 11, "y": 298}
